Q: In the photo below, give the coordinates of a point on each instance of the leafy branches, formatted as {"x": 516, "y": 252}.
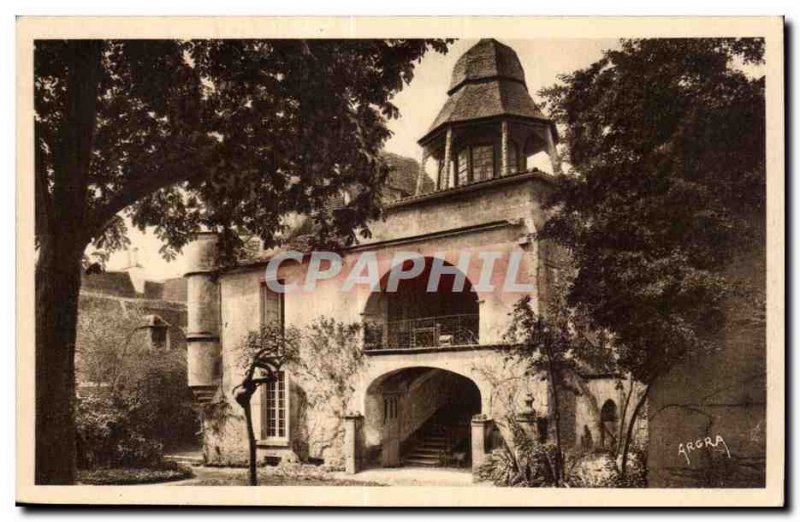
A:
{"x": 666, "y": 138}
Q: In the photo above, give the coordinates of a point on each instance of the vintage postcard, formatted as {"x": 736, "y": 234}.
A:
{"x": 401, "y": 261}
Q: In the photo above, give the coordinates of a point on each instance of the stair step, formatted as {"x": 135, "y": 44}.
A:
{"x": 426, "y": 455}
{"x": 429, "y": 448}
{"x": 422, "y": 462}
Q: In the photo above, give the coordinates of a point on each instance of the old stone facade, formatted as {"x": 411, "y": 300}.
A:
{"x": 433, "y": 387}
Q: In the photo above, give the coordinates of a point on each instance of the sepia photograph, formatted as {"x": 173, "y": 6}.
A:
{"x": 505, "y": 262}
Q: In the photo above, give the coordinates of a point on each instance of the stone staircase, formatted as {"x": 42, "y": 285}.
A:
{"x": 432, "y": 448}
{"x": 441, "y": 443}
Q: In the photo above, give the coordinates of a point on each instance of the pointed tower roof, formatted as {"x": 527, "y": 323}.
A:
{"x": 487, "y": 81}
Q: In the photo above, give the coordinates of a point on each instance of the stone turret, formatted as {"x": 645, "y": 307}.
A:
{"x": 204, "y": 365}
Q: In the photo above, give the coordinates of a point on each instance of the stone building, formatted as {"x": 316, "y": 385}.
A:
{"x": 158, "y": 313}
{"x": 431, "y": 389}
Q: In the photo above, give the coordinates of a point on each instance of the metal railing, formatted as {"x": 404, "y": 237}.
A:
{"x": 423, "y": 332}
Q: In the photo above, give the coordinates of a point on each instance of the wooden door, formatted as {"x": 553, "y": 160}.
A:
{"x": 390, "y": 442}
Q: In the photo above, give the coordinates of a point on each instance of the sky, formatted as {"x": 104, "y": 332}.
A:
{"x": 419, "y": 103}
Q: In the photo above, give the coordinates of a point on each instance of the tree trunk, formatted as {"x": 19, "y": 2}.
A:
{"x": 62, "y": 240}
{"x": 629, "y": 434}
{"x": 58, "y": 278}
{"x": 557, "y": 418}
{"x": 252, "y": 477}
{"x": 623, "y": 417}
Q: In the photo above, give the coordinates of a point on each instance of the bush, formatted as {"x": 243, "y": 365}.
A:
{"x": 601, "y": 470}
{"x": 110, "y": 434}
{"x": 636, "y": 476}
{"x": 528, "y": 464}
{"x": 593, "y": 470}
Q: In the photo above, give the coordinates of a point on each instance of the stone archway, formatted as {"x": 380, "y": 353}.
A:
{"x": 414, "y": 317}
{"x": 420, "y": 416}
{"x": 608, "y": 424}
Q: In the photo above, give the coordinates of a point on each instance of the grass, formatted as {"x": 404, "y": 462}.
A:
{"x": 128, "y": 476}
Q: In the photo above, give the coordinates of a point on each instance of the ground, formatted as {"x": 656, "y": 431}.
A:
{"x": 304, "y": 475}
{"x": 290, "y": 475}
{"x": 415, "y": 477}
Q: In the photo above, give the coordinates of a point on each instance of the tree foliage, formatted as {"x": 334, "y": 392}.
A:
{"x": 135, "y": 402}
{"x": 225, "y": 135}
{"x": 666, "y": 141}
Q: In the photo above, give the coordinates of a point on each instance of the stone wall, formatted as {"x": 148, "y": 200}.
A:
{"x": 717, "y": 397}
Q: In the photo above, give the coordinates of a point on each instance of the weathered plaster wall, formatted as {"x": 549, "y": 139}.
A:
{"x": 588, "y": 405}
{"x": 721, "y": 394}
{"x": 514, "y": 202}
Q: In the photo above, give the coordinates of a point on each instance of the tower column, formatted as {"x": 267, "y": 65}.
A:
{"x": 449, "y": 173}
{"x": 504, "y": 170}
{"x": 202, "y": 337}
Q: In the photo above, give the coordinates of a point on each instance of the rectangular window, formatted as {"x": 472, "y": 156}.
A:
{"x": 463, "y": 167}
{"x": 274, "y": 395}
{"x": 271, "y": 306}
{"x": 275, "y": 408}
{"x": 482, "y": 162}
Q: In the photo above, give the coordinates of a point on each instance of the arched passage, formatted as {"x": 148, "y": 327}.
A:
{"x": 412, "y": 316}
{"x": 420, "y": 416}
{"x": 608, "y": 424}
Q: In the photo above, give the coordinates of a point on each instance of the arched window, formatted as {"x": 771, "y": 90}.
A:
{"x": 609, "y": 411}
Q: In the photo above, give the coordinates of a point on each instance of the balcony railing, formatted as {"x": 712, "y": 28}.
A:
{"x": 424, "y": 332}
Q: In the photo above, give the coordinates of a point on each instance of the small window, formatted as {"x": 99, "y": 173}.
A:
{"x": 482, "y": 162}
{"x": 463, "y": 167}
{"x": 389, "y": 408}
{"x": 159, "y": 340}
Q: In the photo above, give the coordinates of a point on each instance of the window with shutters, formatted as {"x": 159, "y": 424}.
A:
{"x": 271, "y": 306}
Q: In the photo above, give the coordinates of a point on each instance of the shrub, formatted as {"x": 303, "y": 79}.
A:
{"x": 636, "y": 476}
{"x": 330, "y": 358}
{"x": 527, "y": 464}
{"x": 592, "y": 470}
{"x": 110, "y": 434}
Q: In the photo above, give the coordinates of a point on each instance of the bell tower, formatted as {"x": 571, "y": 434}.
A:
{"x": 490, "y": 126}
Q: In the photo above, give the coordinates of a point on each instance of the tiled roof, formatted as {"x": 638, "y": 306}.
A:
{"x": 175, "y": 289}
{"x": 487, "y": 59}
{"x": 153, "y": 290}
{"x": 488, "y": 81}
{"x": 118, "y": 284}
{"x": 403, "y": 173}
